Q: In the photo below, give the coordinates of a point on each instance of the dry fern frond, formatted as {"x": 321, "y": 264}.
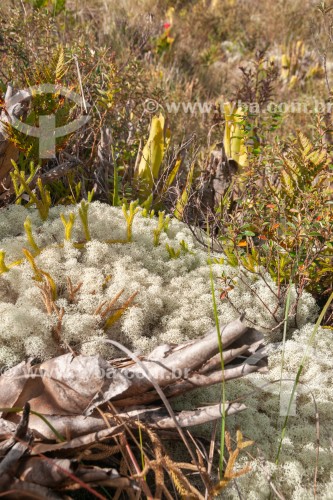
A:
{"x": 181, "y": 483}
{"x": 111, "y": 320}
{"x": 108, "y": 305}
{"x": 72, "y": 290}
{"x": 229, "y": 472}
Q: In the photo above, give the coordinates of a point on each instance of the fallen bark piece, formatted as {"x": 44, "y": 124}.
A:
{"x": 48, "y": 473}
{"x": 10, "y": 464}
{"x": 68, "y": 426}
{"x": 67, "y": 390}
{"x": 15, "y": 450}
{"x": 23, "y": 490}
{"x": 77, "y": 444}
{"x": 82, "y": 408}
{"x": 79, "y": 425}
{"x": 12, "y": 383}
{"x": 159, "y": 418}
{"x": 167, "y": 369}
{"x": 6, "y": 429}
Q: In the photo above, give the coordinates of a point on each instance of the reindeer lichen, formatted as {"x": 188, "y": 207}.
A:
{"x": 164, "y": 299}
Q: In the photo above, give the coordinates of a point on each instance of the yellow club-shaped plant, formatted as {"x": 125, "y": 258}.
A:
{"x": 148, "y": 168}
{"x": 235, "y": 134}
{"x": 285, "y": 66}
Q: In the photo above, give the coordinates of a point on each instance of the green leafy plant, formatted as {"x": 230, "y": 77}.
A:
{"x": 286, "y": 228}
{"x": 129, "y": 214}
{"x": 21, "y": 184}
{"x": 83, "y": 212}
{"x": 173, "y": 253}
{"x": 54, "y": 6}
{"x": 68, "y": 225}
{"x": 162, "y": 225}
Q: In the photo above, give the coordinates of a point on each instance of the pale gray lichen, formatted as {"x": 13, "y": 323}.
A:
{"x": 264, "y": 417}
{"x": 173, "y": 303}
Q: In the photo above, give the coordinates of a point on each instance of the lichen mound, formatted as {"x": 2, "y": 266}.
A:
{"x": 75, "y": 294}
{"x": 304, "y": 462}
{"x": 161, "y": 295}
